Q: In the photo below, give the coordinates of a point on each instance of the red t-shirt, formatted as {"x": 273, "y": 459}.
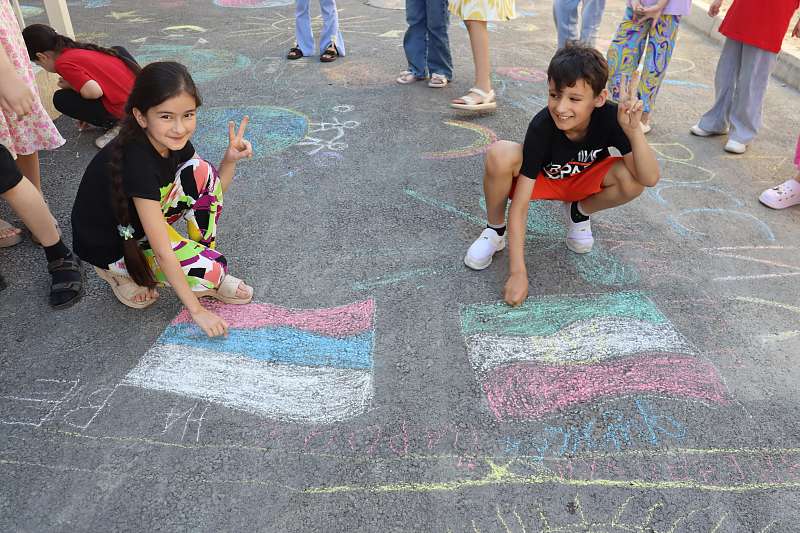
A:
{"x": 759, "y": 23}
{"x": 78, "y": 66}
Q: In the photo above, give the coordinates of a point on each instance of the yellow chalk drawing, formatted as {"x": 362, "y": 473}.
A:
{"x": 485, "y": 139}
{"x": 666, "y": 151}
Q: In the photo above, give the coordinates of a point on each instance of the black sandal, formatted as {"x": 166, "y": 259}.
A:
{"x": 67, "y": 280}
{"x": 330, "y": 54}
{"x": 294, "y": 53}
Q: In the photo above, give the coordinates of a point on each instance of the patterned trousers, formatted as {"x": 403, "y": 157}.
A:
{"x": 631, "y": 41}
{"x": 196, "y": 196}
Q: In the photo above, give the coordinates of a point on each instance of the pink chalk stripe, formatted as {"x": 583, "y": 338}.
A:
{"x": 335, "y": 321}
{"x": 531, "y": 390}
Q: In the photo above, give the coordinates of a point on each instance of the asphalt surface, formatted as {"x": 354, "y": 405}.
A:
{"x": 672, "y": 409}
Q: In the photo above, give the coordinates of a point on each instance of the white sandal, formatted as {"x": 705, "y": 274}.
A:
{"x": 471, "y": 103}
{"x": 406, "y": 77}
{"x": 438, "y": 81}
{"x": 227, "y": 291}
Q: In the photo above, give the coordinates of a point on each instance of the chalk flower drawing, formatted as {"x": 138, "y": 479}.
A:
{"x": 556, "y": 352}
{"x": 302, "y": 365}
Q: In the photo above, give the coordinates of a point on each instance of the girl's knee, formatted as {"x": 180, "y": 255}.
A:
{"x": 199, "y": 172}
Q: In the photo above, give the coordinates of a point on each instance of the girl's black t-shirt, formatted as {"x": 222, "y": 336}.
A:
{"x": 95, "y": 237}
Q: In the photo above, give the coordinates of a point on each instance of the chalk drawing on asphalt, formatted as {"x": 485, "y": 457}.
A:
{"x": 749, "y": 254}
{"x": 311, "y": 365}
{"x": 485, "y": 138}
{"x": 252, "y": 4}
{"x": 641, "y": 515}
{"x": 35, "y": 403}
{"x": 271, "y": 129}
{"x": 332, "y": 140}
{"x": 204, "y": 64}
{"x": 529, "y": 75}
{"x": 556, "y": 352}
{"x": 279, "y": 30}
{"x": 129, "y": 17}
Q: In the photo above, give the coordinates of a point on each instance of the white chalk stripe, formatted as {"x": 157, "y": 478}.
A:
{"x": 585, "y": 341}
{"x": 287, "y": 392}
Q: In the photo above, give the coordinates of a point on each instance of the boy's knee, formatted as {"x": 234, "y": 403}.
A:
{"x": 503, "y": 156}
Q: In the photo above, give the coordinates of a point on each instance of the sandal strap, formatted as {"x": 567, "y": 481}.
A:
{"x": 64, "y": 286}
{"x": 484, "y": 95}
{"x": 65, "y": 264}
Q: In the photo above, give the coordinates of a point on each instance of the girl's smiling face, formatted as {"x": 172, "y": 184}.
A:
{"x": 170, "y": 124}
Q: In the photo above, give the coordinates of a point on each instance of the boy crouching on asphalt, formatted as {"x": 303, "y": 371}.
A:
{"x": 565, "y": 157}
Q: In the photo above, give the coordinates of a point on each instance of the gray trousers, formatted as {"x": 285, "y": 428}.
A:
{"x": 740, "y": 84}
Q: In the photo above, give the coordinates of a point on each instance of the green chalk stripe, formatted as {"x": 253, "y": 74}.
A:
{"x": 548, "y": 314}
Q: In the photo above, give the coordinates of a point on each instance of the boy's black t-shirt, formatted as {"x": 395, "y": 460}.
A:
{"x": 548, "y": 150}
{"x": 95, "y": 237}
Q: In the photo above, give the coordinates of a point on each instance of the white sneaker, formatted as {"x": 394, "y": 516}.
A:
{"x": 479, "y": 255}
{"x": 700, "y": 132}
{"x": 107, "y": 137}
{"x": 735, "y": 147}
{"x": 579, "y": 234}
{"x": 786, "y": 194}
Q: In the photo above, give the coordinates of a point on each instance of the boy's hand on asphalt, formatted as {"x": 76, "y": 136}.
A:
{"x": 516, "y": 289}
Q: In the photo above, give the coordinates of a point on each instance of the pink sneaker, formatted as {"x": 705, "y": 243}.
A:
{"x": 784, "y": 195}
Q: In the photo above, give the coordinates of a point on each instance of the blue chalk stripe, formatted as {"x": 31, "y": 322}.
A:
{"x": 280, "y": 345}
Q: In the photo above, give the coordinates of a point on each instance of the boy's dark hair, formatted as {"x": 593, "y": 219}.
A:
{"x": 578, "y": 62}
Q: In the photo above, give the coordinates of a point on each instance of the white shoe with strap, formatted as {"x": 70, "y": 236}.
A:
{"x": 476, "y": 100}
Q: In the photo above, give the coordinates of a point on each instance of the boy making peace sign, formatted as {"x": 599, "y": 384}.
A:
{"x": 565, "y": 157}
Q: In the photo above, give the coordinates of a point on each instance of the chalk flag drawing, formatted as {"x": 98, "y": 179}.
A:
{"x": 271, "y": 129}
{"x": 556, "y": 352}
{"x": 205, "y": 64}
{"x": 301, "y": 365}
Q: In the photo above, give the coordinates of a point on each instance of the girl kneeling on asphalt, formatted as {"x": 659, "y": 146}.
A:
{"x": 143, "y": 182}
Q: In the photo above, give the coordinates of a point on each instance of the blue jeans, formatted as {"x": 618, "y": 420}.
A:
{"x": 565, "y": 13}
{"x": 330, "y": 27}
{"x": 425, "y": 42}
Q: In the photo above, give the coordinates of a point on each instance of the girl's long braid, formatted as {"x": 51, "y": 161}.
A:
{"x": 135, "y": 262}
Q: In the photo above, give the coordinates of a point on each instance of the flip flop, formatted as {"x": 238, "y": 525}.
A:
{"x": 227, "y": 291}
{"x": 471, "y": 103}
{"x": 11, "y": 240}
{"x": 125, "y": 289}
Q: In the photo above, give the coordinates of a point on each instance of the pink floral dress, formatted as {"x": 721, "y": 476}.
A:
{"x": 35, "y": 131}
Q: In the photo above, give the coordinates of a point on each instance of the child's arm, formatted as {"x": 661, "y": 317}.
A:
{"x": 641, "y": 162}
{"x": 155, "y": 228}
{"x": 91, "y": 90}
{"x": 516, "y": 289}
{"x": 238, "y": 149}
{"x": 15, "y": 96}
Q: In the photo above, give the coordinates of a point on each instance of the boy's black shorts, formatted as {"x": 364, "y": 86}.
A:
{"x": 10, "y": 175}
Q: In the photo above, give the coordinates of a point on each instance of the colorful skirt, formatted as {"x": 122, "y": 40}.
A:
{"x": 488, "y": 10}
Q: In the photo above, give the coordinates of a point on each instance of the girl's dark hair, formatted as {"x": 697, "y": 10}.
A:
{"x": 156, "y": 83}
{"x": 578, "y": 62}
{"x": 42, "y": 38}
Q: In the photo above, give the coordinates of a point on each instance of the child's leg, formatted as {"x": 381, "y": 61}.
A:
{"x": 302, "y": 25}
{"x": 71, "y": 104}
{"x": 29, "y": 166}
{"x": 479, "y": 42}
{"x": 716, "y": 119}
{"x": 502, "y": 163}
{"x": 591, "y": 16}
{"x": 565, "y": 15}
{"x": 624, "y": 53}
{"x": 196, "y": 195}
{"x": 414, "y": 41}
{"x": 745, "y": 114}
{"x": 437, "y": 19}
{"x": 28, "y": 204}
{"x": 660, "y": 45}
{"x": 619, "y": 187}
{"x": 330, "y": 27}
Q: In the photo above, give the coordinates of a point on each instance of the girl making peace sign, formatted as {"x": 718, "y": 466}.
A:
{"x": 138, "y": 186}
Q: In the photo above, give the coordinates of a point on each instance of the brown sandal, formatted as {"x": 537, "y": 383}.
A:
{"x": 294, "y": 53}
{"x": 330, "y": 54}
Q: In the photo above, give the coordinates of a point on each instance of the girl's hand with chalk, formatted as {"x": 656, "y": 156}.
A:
{"x": 238, "y": 147}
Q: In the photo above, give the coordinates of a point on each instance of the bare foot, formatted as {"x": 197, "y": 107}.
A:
{"x": 244, "y": 290}
{"x": 146, "y": 295}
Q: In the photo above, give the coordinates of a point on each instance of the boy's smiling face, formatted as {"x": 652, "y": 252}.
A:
{"x": 571, "y": 107}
